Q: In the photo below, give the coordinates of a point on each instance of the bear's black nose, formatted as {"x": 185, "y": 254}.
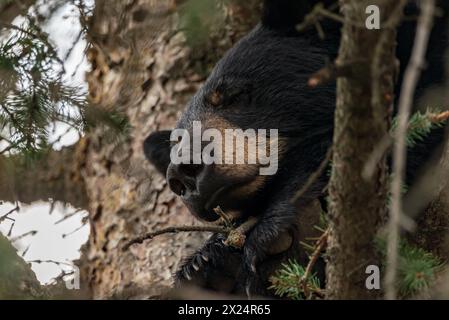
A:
{"x": 182, "y": 178}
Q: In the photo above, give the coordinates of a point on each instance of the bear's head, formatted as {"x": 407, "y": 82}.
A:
{"x": 250, "y": 124}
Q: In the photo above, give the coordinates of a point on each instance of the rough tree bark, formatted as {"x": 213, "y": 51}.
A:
{"x": 141, "y": 66}
{"x": 362, "y": 118}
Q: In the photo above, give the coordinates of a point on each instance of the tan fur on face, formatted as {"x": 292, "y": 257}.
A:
{"x": 235, "y": 169}
{"x": 248, "y": 174}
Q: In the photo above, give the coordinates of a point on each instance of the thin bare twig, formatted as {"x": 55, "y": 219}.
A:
{"x": 411, "y": 78}
{"x": 317, "y": 14}
{"x": 236, "y": 236}
{"x": 6, "y": 215}
{"x": 331, "y": 72}
{"x": 25, "y": 251}
{"x": 69, "y": 216}
{"x": 319, "y": 246}
{"x": 83, "y": 224}
{"x": 174, "y": 229}
{"x": 58, "y": 263}
{"x": 29, "y": 233}
{"x": 439, "y": 117}
{"x": 224, "y": 216}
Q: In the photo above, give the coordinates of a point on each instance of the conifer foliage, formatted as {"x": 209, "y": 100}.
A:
{"x": 33, "y": 94}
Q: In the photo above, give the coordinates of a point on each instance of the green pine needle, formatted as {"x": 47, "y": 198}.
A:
{"x": 34, "y": 96}
{"x": 286, "y": 281}
{"x": 417, "y": 268}
{"x": 419, "y": 127}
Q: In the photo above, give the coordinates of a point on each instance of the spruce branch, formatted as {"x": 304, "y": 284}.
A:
{"x": 419, "y": 127}
{"x": 296, "y": 282}
{"x": 417, "y": 269}
{"x": 286, "y": 282}
{"x": 319, "y": 246}
{"x": 421, "y": 124}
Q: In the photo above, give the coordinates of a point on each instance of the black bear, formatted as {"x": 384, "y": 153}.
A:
{"x": 261, "y": 83}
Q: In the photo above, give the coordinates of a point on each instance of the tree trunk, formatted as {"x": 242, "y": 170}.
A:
{"x": 358, "y": 204}
{"x": 141, "y": 66}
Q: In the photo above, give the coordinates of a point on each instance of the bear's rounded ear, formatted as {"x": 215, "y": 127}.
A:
{"x": 157, "y": 150}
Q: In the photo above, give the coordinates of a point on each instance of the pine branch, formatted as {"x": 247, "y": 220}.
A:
{"x": 417, "y": 269}
{"x": 319, "y": 246}
{"x": 419, "y": 127}
{"x": 287, "y": 282}
{"x": 296, "y": 282}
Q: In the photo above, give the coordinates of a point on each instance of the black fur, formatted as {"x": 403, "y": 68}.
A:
{"x": 284, "y": 14}
{"x": 264, "y": 78}
{"x": 157, "y": 149}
